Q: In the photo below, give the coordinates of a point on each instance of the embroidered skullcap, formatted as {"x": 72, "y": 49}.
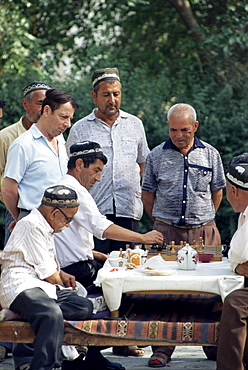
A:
{"x": 237, "y": 171}
{"x": 104, "y": 75}
{"x": 35, "y": 85}
{"x": 85, "y": 148}
{"x": 60, "y": 196}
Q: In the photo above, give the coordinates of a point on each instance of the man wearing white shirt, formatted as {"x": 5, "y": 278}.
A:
{"x": 37, "y": 158}
{"x": 232, "y": 345}
{"x": 75, "y": 245}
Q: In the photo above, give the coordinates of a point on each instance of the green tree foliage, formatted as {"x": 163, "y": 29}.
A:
{"x": 167, "y": 52}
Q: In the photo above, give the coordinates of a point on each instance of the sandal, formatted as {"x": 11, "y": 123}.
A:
{"x": 128, "y": 351}
{"x": 158, "y": 359}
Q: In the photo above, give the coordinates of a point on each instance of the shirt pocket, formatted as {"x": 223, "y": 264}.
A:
{"x": 203, "y": 180}
{"x": 129, "y": 145}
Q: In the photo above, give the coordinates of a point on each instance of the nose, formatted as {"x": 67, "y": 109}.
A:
{"x": 68, "y": 122}
{"x": 112, "y": 98}
{"x": 98, "y": 177}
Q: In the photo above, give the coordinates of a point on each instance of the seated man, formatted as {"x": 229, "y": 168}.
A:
{"x": 75, "y": 245}
{"x": 32, "y": 284}
{"x": 232, "y": 345}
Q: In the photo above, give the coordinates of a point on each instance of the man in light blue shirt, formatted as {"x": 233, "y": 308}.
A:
{"x": 37, "y": 158}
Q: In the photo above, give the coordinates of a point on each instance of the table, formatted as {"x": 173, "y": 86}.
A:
{"x": 214, "y": 277}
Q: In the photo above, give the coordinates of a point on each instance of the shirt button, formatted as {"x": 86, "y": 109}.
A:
{"x": 182, "y": 216}
{"x": 184, "y": 201}
{"x": 184, "y": 186}
{"x": 186, "y": 170}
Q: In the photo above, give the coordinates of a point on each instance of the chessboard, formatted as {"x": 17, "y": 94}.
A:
{"x": 169, "y": 252}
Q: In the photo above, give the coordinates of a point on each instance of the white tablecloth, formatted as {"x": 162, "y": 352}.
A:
{"x": 214, "y": 277}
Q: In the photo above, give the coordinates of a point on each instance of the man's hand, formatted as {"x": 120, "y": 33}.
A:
{"x": 12, "y": 225}
{"x": 99, "y": 256}
{"x": 242, "y": 269}
{"x": 68, "y": 280}
{"x": 153, "y": 237}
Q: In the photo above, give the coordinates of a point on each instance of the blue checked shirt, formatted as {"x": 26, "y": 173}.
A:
{"x": 183, "y": 184}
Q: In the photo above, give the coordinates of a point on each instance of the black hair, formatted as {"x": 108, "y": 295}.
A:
{"x": 89, "y": 159}
{"x": 55, "y": 98}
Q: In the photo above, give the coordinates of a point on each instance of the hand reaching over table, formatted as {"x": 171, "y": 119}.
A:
{"x": 153, "y": 237}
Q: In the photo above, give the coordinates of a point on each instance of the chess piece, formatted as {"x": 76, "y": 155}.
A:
{"x": 201, "y": 245}
{"x": 181, "y": 244}
{"x": 173, "y": 251}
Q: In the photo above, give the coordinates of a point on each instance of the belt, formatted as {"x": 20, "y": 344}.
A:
{"x": 24, "y": 210}
{"x": 187, "y": 227}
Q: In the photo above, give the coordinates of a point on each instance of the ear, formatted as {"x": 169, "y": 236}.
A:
{"x": 93, "y": 94}
{"x": 79, "y": 163}
{"x": 24, "y": 103}
{"x": 46, "y": 110}
{"x": 235, "y": 191}
{"x": 196, "y": 126}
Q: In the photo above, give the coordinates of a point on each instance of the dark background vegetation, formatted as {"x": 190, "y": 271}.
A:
{"x": 167, "y": 51}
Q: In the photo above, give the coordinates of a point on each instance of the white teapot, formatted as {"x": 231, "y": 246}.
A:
{"x": 187, "y": 258}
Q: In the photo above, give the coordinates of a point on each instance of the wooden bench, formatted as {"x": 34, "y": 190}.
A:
{"x": 194, "y": 322}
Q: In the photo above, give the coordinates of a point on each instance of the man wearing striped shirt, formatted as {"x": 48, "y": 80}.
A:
{"x": 182, "y": 187}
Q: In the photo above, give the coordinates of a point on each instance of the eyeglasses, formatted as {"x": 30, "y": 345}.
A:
{"x": 68, "y": 219}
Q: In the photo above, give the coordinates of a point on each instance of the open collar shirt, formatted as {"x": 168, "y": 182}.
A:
{"x": 238, "y": 252}
{"x": 28, "y": 258}
{"x": 125, "y": 146}
{"x": 75, "y": 243}
{"x": 34, "y": 164}
{"x": 183, "y": 184}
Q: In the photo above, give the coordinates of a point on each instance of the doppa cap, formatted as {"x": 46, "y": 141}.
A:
{"x": 60, "y": 196}
{"x": 104, "y": 75}
{"x": 237, "y": 171}
{"x": 35, "y": 85}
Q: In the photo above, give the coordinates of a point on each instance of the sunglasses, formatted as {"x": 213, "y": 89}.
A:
{"x": 68, "y": 219}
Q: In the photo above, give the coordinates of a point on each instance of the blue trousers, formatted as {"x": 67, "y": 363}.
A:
{"x": 46, "y": 317}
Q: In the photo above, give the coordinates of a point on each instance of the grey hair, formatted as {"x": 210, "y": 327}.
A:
{"x": 181, "y": 110}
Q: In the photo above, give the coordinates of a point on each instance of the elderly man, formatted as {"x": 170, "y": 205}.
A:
{"x": 182, "y": 189}
{"x": 75, "y": 245}
{"x": 33, "y": 287}
{"x": 33, "y": 96}
{"x": 122, "y": 138}
{"x": 232, "y": 344}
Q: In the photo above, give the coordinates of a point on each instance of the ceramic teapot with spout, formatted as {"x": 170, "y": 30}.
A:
{"x": 187, "y": 258}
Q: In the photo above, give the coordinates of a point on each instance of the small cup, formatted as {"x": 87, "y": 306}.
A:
{"x": 117, "y": 261}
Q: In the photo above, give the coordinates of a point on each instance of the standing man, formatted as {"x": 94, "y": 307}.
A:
{"x": 33, "y": 96}
{"x": 122, "y": 139}
{"x": 182, "y": 189}
{"x": 38, "y": 158}
{"x": 75, "y": 245}
{"x": 232, "y": 344}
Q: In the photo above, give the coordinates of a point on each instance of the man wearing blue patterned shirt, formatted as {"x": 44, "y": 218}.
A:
{"x": 182, "y": 188}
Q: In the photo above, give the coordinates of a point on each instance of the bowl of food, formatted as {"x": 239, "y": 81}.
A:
{"x": 205, "y": 257}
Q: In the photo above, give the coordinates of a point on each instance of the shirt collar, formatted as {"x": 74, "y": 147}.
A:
{"x": 169, "y": 144}
{"x": 92, "y": 116}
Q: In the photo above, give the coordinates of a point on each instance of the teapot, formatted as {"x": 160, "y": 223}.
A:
{"x": 187, "y": 258}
